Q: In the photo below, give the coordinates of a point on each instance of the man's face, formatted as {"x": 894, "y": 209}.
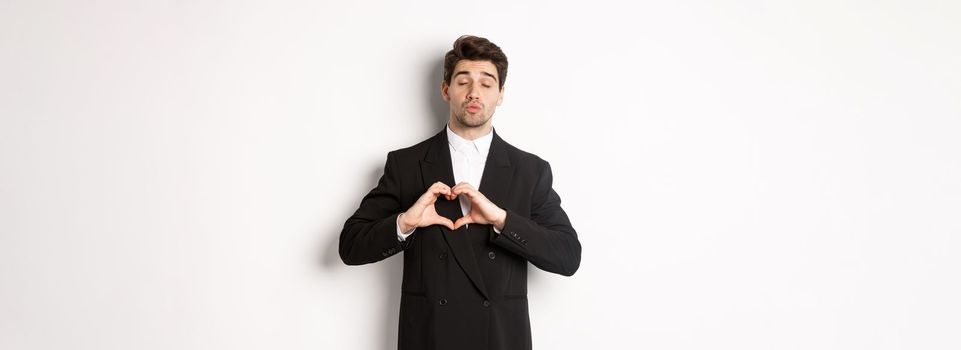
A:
{"x": 473, "y": 93}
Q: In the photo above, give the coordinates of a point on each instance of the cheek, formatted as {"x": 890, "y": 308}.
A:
{"x": 455, "y": 93}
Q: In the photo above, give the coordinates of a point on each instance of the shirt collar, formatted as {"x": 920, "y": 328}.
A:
{"x": 481, "y": 145}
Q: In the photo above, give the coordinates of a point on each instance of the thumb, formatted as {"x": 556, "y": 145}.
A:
{"x": 447, "y": 223}
{"x": 464, "y": 220}
{"x": 440, "y": 220}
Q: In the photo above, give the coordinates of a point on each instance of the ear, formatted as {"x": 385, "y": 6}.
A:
{"x": 500, "y": 96}
{"x": 443, "y": 90}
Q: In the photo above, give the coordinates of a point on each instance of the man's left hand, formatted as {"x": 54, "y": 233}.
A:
{"x": 482, "y": 210}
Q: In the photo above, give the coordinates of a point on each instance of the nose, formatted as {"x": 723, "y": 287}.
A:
{"x": 473, "y": 93}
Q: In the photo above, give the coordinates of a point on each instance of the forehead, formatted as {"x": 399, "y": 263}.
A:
{"x": 475, "y": 67}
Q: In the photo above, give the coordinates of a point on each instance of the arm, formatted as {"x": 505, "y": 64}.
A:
{"x": 378, "y": 230}
{"x": 547, "y": 239}
{"x": 370, "y": 235}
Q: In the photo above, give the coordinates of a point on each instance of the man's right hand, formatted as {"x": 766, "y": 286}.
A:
{"x": 423, "y": 214}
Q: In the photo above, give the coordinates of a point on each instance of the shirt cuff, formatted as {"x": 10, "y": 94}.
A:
{"x": 402, "y": 236}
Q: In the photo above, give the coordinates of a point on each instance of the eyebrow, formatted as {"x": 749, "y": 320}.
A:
{"x": 468, "y": 73}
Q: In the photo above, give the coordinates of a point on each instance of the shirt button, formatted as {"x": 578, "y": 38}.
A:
{"x": 442, "y": 256}
{"x": 490, "y": 255}
{"x": 442, "y": 301}
{"x": 487, "y": 303}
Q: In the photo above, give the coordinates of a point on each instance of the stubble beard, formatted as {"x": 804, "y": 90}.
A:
{"x": 471, "y": 121}
{"x": 468, "y": 120}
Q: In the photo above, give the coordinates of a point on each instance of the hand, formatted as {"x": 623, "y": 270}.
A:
{"x": 482, "y": 210}
{"x": 423, "y": 213}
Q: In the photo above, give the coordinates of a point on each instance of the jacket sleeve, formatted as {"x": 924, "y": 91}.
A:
{"x": 546, "y": 239}
{"x": 370, "y": 235}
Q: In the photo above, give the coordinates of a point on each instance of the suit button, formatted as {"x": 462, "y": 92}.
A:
{"x": 442, "y": 301}
{"x": 442, "y": 256}
{"x": 487, "y": 303}
{"x": 490, "y": 255}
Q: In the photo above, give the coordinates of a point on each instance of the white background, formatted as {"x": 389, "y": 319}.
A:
{"x": 742, "y": 174}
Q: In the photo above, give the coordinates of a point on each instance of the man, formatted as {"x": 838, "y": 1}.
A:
{"x": 466, "y": 246}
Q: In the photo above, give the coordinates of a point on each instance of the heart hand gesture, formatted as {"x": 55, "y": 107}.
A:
{"x": 482, "y": 210}
{"x": 423, "y": 213}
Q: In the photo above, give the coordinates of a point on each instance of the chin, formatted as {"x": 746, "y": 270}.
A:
{"x": 475, "y": 123}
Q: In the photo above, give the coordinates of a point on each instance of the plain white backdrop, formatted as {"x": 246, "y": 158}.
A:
{"x": 742, "y": 174}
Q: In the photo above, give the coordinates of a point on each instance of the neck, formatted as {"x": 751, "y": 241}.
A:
{"x": 469, "y": 133}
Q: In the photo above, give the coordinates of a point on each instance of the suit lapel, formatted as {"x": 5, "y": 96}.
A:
{"x": 436, "y": 166}
{"x": 498, "y": 173}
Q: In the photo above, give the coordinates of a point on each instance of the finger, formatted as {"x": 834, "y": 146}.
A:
{"x": 462, "y": 188}
{"x": 443, "y": 222}
{"x": 441, "y": 184}
{"x": 464, "y": 220}
{"x": 445, "y": 190}
{"x": 440, "y": 187}
{"x": 427, "y": 198}
{"x": 463, "y": 185}
{"x": 434, "y": 191}
{"x": 449, "y": 194}
{"x": 447, "y": 223}
{"x": 468, "y": 191}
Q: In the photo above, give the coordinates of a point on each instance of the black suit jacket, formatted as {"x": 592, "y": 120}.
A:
{"x": 465, "y": 289}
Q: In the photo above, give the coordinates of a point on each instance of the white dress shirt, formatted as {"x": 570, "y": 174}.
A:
{"x": 467, "y": 160}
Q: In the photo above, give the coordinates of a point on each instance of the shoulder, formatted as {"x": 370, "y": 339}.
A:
{"x": 525, "y": 160}
{"x": 413, "y": 153}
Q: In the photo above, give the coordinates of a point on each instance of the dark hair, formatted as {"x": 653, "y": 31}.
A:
{"x": 473, "y": 48}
